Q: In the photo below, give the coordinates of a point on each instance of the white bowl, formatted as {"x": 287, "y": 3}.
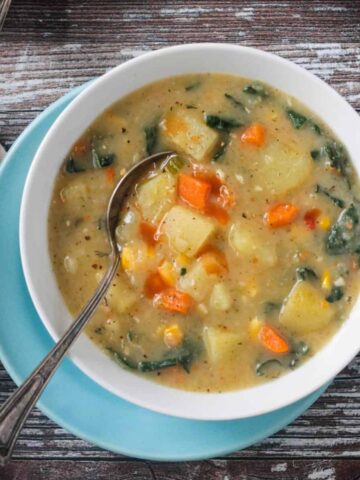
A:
{"x": 120, "y": 81}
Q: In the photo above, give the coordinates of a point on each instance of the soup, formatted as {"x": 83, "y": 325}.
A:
{"x": 239, "y": 253}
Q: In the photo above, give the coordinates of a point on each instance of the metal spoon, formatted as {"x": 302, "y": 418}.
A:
{"x": 16, "y": 409}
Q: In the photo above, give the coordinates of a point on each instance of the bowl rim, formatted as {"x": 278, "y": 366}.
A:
{"x": 191, "y": 405}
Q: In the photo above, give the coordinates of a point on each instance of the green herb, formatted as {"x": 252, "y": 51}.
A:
{"x": 174, "y": 164}
{"x": 183, "y": 271}
{"x": 256, "y": 89}
{"x": 102, "y": 161}
{"x": 101, "y": 254}
{"x": 305, "y": 273}
{"x": 337, "y": 201}
{"x": 315, "y": 154}
{"x": 72, "y": 167}
{"x": 264, "y": 366}
{"x": 335, "y": 295}
{"x": 151, "y": 134}
{"x": 338, "y": 159}
{"x": 221, "y": 123}
{"x": 191, "y": 107}
{"x": 297, "y": 119}
{"x": 236, "y": 103}
{"x": 193, "y": 86}
{"x": 221, "y": 150}
{"x": 270, "y": 307}
{"x": 344, "y": 235}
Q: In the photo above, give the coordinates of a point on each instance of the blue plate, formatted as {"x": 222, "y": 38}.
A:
{"x": 72, "y": 399}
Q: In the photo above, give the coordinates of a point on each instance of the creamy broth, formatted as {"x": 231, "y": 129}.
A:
{"x": 239, "y": 257}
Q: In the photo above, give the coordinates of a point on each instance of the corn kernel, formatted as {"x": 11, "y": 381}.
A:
{"x": 167, "y": 273}
{"x": 325, "y": 223}
{"x": 326, "y": 280}
{"x": 128, "y": 258}
{"x": 254, "y": 328}
{"x": 182, "y": 260}
{"x": 173, "y": 336}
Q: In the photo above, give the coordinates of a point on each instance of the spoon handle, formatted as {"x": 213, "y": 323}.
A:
{"x": 16, "y": 409}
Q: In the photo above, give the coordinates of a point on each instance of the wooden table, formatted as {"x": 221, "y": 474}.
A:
{"x": 48, "y": 47}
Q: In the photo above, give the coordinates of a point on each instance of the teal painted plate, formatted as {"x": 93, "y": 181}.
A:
{"x": 72, "y": 399}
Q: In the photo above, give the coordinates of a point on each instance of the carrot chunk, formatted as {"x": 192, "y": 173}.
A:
{"x": 310, "y": 218}
{"x": 254, "y": 135}
{"x": 281, "y": 215}
{"x": 209, "y": 177}
{"x": 110, "y": 175}
{"x": 154, "y": 284}
{"x": 148, "y": 232}
{"x": 173, "y": 300}
{"x": 214, "y": 261}
{"x": 271, "y": 340}
{"x": 193, "y": 191}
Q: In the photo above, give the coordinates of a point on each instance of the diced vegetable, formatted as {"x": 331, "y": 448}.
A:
{"x": 305, "y": 309}
{"x": 335, "y": 295}
{"x": 147, "y": 232}
{"x": 174, "y": 164}
{"x": 324, "y": 191}
{"x": 110, "y": 175}
{"x": 187, "y": 231}
{"x": 249, "y": 243}
{"x": 75, "y": 193}
{"x": 154, "y": 284}
{"x": 214, "y": 261}
{"x": 187, "y": 133}
{"x": 338, "y": 160}
{"x": 220, "y": 298}
{"x": 220, "y": 343}
{"x": 136, "y": 256}
{"x": 272, "y": 340}
{"x": 315, "y": 154}
{"x": 297, "y": 119}
{"x": 102, "y": 161}
{"x": 197, "y": 281}
{"x": 81, "y": 147}
{"x": 325, "y": 222}
{"x": 156, "y": 196}
{"x": 281, "y": 215}
{"x": 222, "y": 123}
{"x": 254, "y": 134}
{"x": 254, "y": 328}
{"x": 310, "y": 218}
{"x": 193, "y": 191}
{"x": 120, "y": 296}
{"x": 173, "y": 300}
{"x": 173, "y": 336}
{"x": 168, "y": 273}
{"x": 284, "y": 168}
{"x": 256, "y": 88}
{"x": 219, "y": 213}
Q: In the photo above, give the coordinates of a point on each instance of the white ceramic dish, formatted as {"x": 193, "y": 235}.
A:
{"x": 231, "y": 59}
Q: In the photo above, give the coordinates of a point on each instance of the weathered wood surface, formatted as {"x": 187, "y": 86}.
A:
{"x": 48, "y": 47}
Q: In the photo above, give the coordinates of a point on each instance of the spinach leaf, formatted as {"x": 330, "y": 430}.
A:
{"x": 72, "y": 167}
{"x": 344, "y": 235}
{"x": 315, "y": 154}
{"x": 192, "y": 86}
{"x": 338, "y": 159}
{"x": 236, "y": 103}
{"x": 335, "y": 295}
{"x": 270, "y": 307}
{"x": 305, "y": 273}
{"x": 315, "y": 127}
{"x": 299, "y": 350}
{"x": 221, "y": 150}
{"x": 221, "y": 123}
{"x": 151, "y": 134}
{"x": 102, "y": 161}
{"x": 297, "y": 119}
{"x": 336, "y": 201}
{"x": 256, "y": 89}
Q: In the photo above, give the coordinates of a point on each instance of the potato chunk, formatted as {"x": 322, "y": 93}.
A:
{"x": 305, "y": 309}
{"x": 120, "y": 296}
{"x": 197, "y": 282}
{"x": 189, "y": 134}
{"x": 187, "y": 231}
{"x": 220, "y": 344}
{"x": 220, "y": 298}
{"x": 247, "y": 241}
{"x": 156, "y": 196}
{"x": 284, "y": 167}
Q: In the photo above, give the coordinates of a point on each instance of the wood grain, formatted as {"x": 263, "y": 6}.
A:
{"x": 48, "y": 47}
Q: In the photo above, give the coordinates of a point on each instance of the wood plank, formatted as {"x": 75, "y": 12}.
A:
{"x": 209, "y": 470}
